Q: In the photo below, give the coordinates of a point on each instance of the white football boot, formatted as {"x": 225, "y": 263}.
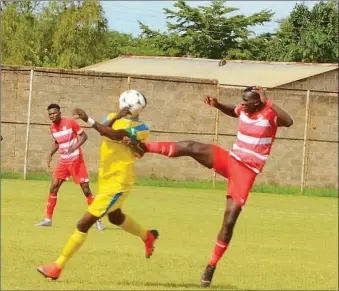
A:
{"x": 45, "y": 222}
{"x": 99, "y": 225}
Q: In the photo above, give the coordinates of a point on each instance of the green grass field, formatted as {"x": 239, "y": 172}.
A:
{"x": 220, "y": 185}
{"x": 281, "y": 241}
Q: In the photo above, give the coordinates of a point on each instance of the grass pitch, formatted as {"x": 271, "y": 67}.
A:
{"x": 280, "y": 242}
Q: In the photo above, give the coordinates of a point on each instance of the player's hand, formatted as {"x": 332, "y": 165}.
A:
{"x": 80, "y": 114}
{"x": 126, "y": 140}
{"x": 211, "y": 101}
{"x": 261, "y": 93}
{"x": 123, "y": 112}
{"x": 49, "y": 160}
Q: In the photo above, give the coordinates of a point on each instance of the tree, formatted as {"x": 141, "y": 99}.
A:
{"x": 126, "y": 44}
{"x": 19, "y": 33}
{"x": 80, "y": 32}
{"x": 253, "y": 48}
{"x": 60, "y": 34}
{"x": 307, "y": 35}
{"x": 206, "y": 31}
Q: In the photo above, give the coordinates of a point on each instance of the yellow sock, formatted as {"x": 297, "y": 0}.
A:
{"x": 73, "y": 244}
{"x": 132, "y": 227}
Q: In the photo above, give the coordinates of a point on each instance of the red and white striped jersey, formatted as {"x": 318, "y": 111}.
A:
{"x": 66, "y": 135}
{"x": 255, "y": 137}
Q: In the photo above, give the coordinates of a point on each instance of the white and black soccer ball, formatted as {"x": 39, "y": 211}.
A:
{"x": 134, "y": 100}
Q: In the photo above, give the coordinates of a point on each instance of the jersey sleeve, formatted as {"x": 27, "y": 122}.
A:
{"x": 238, "y": 109}
{"x": 51, "y": 133}
{"x": 272, "y": 118}
{"x": 76, "y": 127}
{"x": 138, "y": 133}
{"x": 108, "y": 117}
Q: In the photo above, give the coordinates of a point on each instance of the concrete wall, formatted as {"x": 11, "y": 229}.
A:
{"x": 175, "y": 112}
{"x": 323, "y": 82}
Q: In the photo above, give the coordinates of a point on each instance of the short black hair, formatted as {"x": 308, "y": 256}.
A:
{"x": 249, "y": 89}
{"x": 53, "y": 105}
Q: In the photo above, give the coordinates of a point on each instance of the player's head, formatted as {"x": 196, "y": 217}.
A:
{"x": 251, "y": 100}
{"x": 54, "y": 113}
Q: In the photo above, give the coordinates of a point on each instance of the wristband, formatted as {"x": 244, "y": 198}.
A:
{"x": 90, "y": 121}
{"x": 269, "y": 103}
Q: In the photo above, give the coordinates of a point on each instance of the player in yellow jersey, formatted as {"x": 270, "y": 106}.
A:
{"x": 116, "y": 176}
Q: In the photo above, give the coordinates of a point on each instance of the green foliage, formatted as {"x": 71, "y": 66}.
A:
{"x": 206, "y": 31}
{"x": 79, "y": 34}
{"x": 19, "y": 33}
{"x": 253, "y": 48}
{"x": 126, "y": 44}
{"x": 307, "y": 35}
{"x": 62, "y": 34}
{"x": 73, "y": 34}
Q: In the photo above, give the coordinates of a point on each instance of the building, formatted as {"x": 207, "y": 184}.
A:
{"x": 317, "y": 77}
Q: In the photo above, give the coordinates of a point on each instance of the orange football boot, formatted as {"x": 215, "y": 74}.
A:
{"x": 52, "y": 271}
{"x": 152, "y": 236}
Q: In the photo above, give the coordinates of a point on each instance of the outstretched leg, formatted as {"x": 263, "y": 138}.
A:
{"x": 117, "y": 217}
{"x": 74, "y": 243}
{"x": 202, "y": 153}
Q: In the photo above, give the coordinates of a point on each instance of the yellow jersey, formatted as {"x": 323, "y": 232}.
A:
{"x": 116, "y": 168}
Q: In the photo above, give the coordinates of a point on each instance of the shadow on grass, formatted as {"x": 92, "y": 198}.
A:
{"x": 178, "y": 285}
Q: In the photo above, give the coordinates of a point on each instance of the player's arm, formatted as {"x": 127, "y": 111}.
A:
{"x": 101, "y": 128}
{"x": 283, "y": 118}
{"x": 82, "y": 136}
{"x": 123, "y": 112}
{"x": 55, "y": 147}
{"x": 228, "y": 109}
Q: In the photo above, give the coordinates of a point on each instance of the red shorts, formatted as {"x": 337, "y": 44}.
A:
{"x": 240, "y": 178}
{"x": 76, "y": 169}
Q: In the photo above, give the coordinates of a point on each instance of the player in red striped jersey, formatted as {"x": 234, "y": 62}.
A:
{"x": 68, "y": 137}
{"x": 259, "y": 120}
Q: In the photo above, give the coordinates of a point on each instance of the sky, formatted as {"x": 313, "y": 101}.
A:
{"x": 124, "y": 15}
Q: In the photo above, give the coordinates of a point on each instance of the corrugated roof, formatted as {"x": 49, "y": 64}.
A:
{"x": 237, "y": 73}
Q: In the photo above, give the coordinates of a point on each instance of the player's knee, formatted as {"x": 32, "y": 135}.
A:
{"x": 54, "y": 188}
{"x": 83, "y": 225}
{"x": 193, "y": 147}
{"x": 116, "y": 217}
{"x": 86, "y": 190}
{"x": 229, "y": 221}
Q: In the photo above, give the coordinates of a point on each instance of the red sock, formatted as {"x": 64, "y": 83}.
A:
{"x": 51, "y": 202}
{"x": 219, "y": 249}
{"x": 90, "y": 198}
{"x": 162, "y": 148}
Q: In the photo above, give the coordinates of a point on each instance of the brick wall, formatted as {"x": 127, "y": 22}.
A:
{"x": 174, "y": 112}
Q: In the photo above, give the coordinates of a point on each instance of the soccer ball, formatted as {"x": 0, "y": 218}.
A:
{"x": 134, "y": 100}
